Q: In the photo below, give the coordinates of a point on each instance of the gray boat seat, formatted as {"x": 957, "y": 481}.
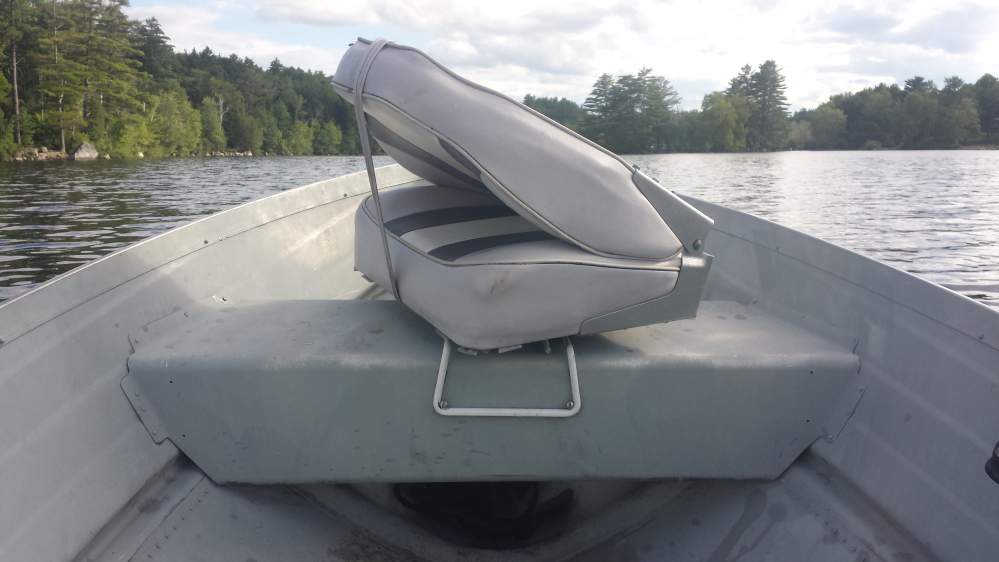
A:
{"x": 488, "y": 278}
{"x": 523, "y": 230}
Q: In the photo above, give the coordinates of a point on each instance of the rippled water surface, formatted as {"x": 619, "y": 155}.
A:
{"x": 935, "y": 214}
{"x": 931, "y": 213}
{"x": 55, "y": 216}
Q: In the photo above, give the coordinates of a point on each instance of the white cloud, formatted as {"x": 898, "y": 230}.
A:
{"x": 560, "y": 47}
{"x": 195, "y": 28}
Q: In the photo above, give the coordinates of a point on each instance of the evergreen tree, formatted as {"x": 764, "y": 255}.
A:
{"x": 62, "y": 72}
{"x": 742, "y": 83}
{"x": 955, "y": 90}
{"x": 660, "y": 102}
{"x": 157, "y": 57}
{"x": 73, "y": 70}
{"x": 631, "y": 115}
{"x": 16, "y": 25}
{"x": 987, "y": 97}
{"x": 111, "y": 69}
{"x": 596, "y": 116}
{"x": 628, "y": 132}
{"x": 770, "y": 120}
{"x": 919, "y": 84}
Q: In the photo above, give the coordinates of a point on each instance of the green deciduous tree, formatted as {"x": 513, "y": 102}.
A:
{"x": 921, "y": 108}
{"x": 828, "y": 126}
{"x": 799, "y": 136}
{"x": 300, "y": 139}
{"x": 326, "y": 138}
{"x": 724, "y": 120}
{"x": 958, "y": 122}
{"x": 273, "y": 138}
{"x": 564, "y": 111}
{"x": 175, "y": 124}
{"x": 246, "y": 133}
{"x": 885, "y": 113}
{"x": 212, "y": 135}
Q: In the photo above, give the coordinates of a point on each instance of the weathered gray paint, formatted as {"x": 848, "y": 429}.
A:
{"x": 72, "y": 452}
{"x": 910, "y": 458}
{"x": 690, "y": 226}
{"x": 311, "y": 391}
{"x": 919, "y": 438}
{"x": 681, "y": 302}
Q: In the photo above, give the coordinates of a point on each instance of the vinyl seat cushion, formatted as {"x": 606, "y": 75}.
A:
{"x": 488, "y": 278}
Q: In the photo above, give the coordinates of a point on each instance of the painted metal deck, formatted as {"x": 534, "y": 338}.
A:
{"x": 809, "y": 513}
{"x": 86, "y": 481}
{"x": 342, "y": 391}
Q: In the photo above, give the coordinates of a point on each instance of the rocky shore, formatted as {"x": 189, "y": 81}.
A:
{"x": 87, "y": 152}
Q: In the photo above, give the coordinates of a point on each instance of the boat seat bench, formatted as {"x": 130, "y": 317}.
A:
{"x": 340, "y": 391}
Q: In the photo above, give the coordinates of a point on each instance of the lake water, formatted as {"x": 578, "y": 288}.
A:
{"x": 935, "y": 214}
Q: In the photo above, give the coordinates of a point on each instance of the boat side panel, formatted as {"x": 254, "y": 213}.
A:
{"x": 68, "y": 437}
{"x": 918, "y": 440}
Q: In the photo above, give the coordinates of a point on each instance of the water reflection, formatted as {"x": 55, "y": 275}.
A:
{"x": 930, "y": 213}
{"x": 55, "y": 216}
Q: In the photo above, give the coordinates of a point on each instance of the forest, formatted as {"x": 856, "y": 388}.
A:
{"x": 81, "y": 70}
{"x": 640, "y": 113}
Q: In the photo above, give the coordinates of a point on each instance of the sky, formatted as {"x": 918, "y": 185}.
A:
{"x": 560, "y": 47}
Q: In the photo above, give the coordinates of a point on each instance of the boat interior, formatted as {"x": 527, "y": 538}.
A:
{"x": 820, "y": 406}
{"x": 338, "y": 373}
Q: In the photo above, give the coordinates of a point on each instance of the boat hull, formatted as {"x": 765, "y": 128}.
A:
{"x": 911, "y": 453}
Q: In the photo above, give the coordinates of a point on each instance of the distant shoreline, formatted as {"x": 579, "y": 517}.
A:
{"x": 56, "y": 156}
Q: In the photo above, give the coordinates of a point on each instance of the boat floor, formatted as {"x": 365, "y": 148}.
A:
{"x": 806, "y": 514}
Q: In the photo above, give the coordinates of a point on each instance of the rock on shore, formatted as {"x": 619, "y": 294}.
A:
{"x": 85, "y": 151}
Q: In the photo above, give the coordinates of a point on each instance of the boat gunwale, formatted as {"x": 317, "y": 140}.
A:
{"x": 910, "y": 290}
{"x": 21, "y": 307}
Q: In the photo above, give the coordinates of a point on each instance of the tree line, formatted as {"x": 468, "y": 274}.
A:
{"x": 81, "y": 70}
{"x": 640, "y": 113}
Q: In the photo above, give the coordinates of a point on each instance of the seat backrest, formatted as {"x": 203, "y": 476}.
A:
{"x": 455, "y": 133}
